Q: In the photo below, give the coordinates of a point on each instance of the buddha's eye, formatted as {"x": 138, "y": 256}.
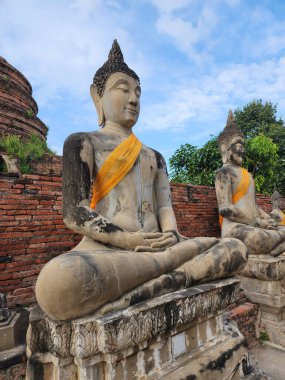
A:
{"x": 123, "y": 88}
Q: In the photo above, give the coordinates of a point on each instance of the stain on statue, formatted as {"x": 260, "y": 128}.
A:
{"x": 240, "y": 215}
{"x": 116, "y": 194}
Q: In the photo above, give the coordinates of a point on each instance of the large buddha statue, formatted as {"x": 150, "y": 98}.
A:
{"x": 240, "y": 216}
{"x": 116, "y": 194}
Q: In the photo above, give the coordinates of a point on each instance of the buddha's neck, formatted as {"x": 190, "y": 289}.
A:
{"x": 232, "y": 163}
{"x": 116, "y": 129}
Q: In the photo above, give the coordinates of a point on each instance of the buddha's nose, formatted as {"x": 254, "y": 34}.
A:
{"x": 133, "y": 98}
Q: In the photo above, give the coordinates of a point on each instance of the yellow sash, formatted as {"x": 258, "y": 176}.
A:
{"x": 283, "y": 219}
{"x": 241, "y": 190}
{"x": 115, "y": 168}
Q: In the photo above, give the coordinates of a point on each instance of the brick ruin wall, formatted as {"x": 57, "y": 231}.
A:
{"x": 32, "y": 231}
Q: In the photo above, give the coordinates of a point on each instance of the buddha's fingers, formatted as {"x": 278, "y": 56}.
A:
{"x": 165, "y": 243}
{"x": 144, "y": 248}
{"x": 165, "y": 236}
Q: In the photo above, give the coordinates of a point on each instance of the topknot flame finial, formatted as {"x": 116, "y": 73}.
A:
{"x": 115, "y": 63}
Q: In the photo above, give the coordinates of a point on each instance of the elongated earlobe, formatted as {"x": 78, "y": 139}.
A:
{"x": 98, "y": 104}
{"x": 224, "y": 153}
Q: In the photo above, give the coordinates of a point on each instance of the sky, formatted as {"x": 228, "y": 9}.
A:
{"x": 196, "y": 59}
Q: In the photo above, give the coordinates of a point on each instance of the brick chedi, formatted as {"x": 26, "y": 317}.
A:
{"x": 18, "y": 109}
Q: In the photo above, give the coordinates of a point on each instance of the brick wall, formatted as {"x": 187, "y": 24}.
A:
{"x": 48, "y": 165}
{"x": 32, "y": 230}
{"x": 196, "y": 210}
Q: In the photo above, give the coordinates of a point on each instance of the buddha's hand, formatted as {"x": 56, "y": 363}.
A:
{"x": 269, "y": 224}
{"x": 155, "y": 241}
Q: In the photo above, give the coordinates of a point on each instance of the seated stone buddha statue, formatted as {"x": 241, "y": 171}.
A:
{"x": 240, "y": 216}
{"x": 276, "y": 213}
{"x": 117, "y": 195}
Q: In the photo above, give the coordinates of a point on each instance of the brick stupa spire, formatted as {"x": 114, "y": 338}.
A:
{"x": 18, "y": 109}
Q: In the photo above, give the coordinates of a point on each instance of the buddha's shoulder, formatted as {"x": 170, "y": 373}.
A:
{"x": 96, "y": 138}
{"x": 156, "y": 155}
{"x": 230, "y": 171}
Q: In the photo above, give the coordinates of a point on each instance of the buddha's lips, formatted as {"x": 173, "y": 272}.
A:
{"x": 131, "y": 110}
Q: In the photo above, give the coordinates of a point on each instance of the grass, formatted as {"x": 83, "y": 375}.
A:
{"x": 28, "y": 151}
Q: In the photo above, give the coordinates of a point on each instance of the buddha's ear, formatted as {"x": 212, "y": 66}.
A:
{"x": 224, "y": 153}
{"x": 98, "y": 104}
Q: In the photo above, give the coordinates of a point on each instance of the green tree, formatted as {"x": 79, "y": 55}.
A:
{"x": 257, "y": 118}
{"x": 190, "y": 164}
{"x": 265, "y": 151}
{"x": 261, "y": 161}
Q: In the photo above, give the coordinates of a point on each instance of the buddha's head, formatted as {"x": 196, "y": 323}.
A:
{"x": 231, "y": 142}
{"x": 116, "y": 91}
{"x": 276, "y": 200}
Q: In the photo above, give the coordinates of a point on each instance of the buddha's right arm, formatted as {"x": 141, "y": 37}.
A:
{"x": 78, "y": 169}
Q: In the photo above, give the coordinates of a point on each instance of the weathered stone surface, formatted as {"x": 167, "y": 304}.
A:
{"x": 88, "y": 336}
{"x": 12, "y": 357}
{"x": 12, "y": 332}
{"x": 266, "y": 268}
{"x": 175, "y": 335}
{"x": 264, "y": 284}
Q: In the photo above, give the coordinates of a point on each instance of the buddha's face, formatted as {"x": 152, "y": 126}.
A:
{"x": 236, "y": 151}
{"x": 121, "y": 100}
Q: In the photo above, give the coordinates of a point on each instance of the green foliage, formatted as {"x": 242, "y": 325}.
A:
{"x": 263, "y": 337}
{"x": 265, "y": 151}
{"x": 7, "y": 81}
{"x": 255, "y": 117}
{"x": 27, "y": 151}
{"x": 29, "y": 114}
{"x": 261, "y": 160}
{"x": 190, "y": 164}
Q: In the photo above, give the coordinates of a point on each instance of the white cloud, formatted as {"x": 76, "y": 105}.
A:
{"x": 208, "y": 99}
{"x": 59, "y": 45}
{"x": 187, "y": 34}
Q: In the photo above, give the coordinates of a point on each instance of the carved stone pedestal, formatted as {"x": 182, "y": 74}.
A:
{"x": 263, "y": 282}
{"x": 180, "y": 335}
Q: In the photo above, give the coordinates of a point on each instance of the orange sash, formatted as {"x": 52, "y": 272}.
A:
{"x": 115, "y": 168}
{"x": 283, "y": 219}
{"x": 241, "y": 190}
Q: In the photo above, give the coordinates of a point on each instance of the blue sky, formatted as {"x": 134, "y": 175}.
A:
{"x": 195, "y": 58}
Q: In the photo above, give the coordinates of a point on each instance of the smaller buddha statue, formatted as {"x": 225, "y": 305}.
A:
{"x": 277, "y": 214}
{"x": 240, "y": 215}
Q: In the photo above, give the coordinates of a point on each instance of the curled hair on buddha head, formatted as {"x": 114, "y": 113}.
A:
{"x": 230, "y": 131}
{"x": 114, "y": 64}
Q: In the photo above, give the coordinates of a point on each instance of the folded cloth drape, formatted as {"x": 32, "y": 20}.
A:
{"x": 115, "y": 168}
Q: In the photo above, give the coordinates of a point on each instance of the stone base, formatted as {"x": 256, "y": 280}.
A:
{"x": 180, "y": 335}
{"x": 13, "y": 331}
{"x": 263, "y": 282}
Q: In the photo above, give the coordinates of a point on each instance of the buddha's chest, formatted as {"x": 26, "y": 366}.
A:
{"x": 143, "y": 170}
